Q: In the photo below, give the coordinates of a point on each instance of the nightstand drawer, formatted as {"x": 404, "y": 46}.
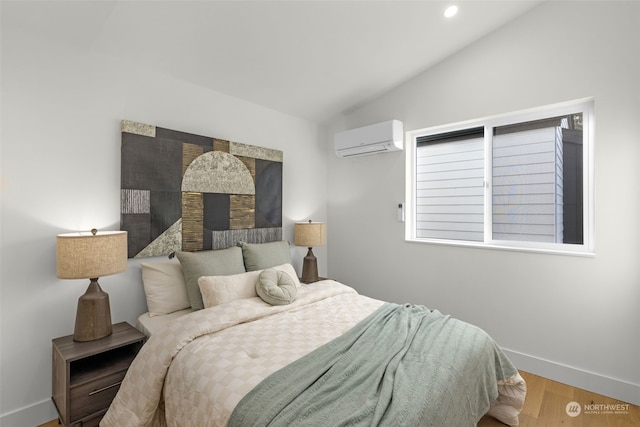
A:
{"x": 86, "y": 376}
{"x": 93, "y": 396}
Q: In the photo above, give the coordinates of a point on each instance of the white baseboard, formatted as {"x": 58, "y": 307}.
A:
{"x": 595, "y": 383}
{"x": 30, "y": 416}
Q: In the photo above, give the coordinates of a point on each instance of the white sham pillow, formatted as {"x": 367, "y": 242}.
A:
{"x": 217, "y": 290}
{"x": 164, "y": 287}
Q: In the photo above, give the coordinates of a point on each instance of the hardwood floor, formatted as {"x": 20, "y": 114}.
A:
{"x": 546, "y": 403}
{"x": 546, "y": 406}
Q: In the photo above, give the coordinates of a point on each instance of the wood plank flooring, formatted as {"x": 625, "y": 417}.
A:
{"x": 546, "y": 403}
{"x": 545, "y": 406}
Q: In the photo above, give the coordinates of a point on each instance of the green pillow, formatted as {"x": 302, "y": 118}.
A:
{"x": 258, "y": 256}
{"x": 276, "y": 287}
{"x": 208, "y": 263}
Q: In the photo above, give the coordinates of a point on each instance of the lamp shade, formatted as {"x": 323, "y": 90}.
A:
{"x": 85, "y": 255}
{"x": 310, "y": 234}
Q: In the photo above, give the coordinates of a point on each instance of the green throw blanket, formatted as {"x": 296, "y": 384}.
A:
{"x": 404, "y": 365}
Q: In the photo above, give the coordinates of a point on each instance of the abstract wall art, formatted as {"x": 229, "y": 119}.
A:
{"x": 181, "y": 191}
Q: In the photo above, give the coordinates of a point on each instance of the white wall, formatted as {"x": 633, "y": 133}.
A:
{"x": 573, "y": 319}
{"x": 60, "y": 171}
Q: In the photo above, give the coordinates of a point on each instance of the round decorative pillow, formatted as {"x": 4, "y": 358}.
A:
{"x": 276, "y": 287}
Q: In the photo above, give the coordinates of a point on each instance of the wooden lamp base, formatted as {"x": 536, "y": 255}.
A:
{"x": 310, "y": 268}
{"x": 93, "y": 316}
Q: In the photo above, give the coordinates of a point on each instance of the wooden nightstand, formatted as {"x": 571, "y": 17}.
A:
{"x": 87, "y": 375}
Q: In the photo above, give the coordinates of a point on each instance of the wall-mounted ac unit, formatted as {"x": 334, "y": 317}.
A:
{"x": 373, "y": 139}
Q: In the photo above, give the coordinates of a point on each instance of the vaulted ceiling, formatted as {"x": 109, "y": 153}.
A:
{"x": 311, "y": 59}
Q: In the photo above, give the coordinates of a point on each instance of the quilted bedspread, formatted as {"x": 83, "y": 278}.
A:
{"x": 404, "y": 365}
{"x": 197, "y": 370}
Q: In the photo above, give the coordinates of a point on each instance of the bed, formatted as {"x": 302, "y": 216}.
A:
{"x": 235, "y": 339}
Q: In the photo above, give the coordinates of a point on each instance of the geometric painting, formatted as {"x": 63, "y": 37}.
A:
{"x": 186, "y": 192}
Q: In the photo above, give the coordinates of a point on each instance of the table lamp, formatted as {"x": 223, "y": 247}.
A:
{"x": 310, "y": 234}
{"x": 85, "y": 255}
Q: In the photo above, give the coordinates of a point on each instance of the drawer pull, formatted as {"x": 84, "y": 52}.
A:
{"x": 105, "y": 388}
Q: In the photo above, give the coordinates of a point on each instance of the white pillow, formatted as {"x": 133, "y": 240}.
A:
{"x": 288, "y": 268}
{"x": 217, "y": 290}
{"x": 164, "y": 287}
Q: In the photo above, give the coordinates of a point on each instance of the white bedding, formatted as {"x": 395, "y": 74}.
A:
{"x": 148, "y": 325}
{"x": 195, "y": 370}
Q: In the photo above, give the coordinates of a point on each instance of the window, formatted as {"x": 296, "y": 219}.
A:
{"x": 521, "y": 181}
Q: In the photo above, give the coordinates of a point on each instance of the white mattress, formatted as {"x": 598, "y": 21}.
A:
{"x": 149, "y": 324}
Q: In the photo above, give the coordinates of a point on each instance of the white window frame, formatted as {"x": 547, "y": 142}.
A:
{"x": 587, "y": 248}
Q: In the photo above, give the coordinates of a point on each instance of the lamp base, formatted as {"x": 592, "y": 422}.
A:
{"x": 310, "y": 268}
{"x": 93, "y": 316}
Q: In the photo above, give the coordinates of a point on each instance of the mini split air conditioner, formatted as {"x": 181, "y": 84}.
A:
{"x": 378, "y": 138}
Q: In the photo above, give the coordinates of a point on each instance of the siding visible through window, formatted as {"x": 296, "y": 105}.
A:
{"x": 450, "y": 186}
{"x": 527, "y": 186}
{"x": 523, "y": 180}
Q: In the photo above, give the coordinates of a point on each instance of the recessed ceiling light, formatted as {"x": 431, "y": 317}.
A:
{"x": 451, "y": 11}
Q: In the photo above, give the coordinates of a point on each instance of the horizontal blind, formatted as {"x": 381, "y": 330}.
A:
{"x": 450, "y": 187}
